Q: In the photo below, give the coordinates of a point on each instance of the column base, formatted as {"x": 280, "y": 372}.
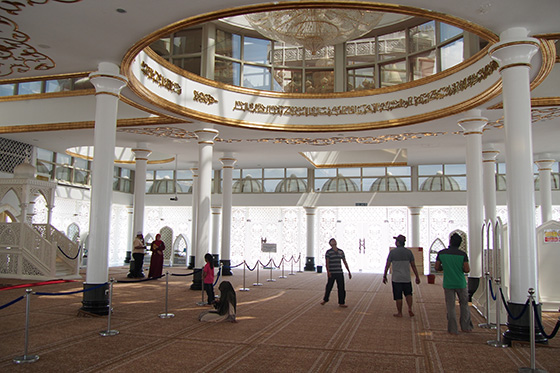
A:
{"x": 519, "y": 330}
{"x": 226, "y": 267}
{"x": 309, "y": 264}
{"x": 216, "y": 261}
{"x": 127, "y": 257}
{"x": 472, "y": 286}
{"x": 197, "y": 279}
{"x": 96, "y": 301}
{"x": 191, "y": 262}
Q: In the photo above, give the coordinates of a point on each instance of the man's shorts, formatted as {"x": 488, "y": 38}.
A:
{"x": 401, "y": 287}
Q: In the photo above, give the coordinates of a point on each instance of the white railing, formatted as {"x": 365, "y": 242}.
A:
{"x": 66, "y": 250}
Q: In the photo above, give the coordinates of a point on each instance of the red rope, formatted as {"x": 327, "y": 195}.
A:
{"x": 35, "y": 284}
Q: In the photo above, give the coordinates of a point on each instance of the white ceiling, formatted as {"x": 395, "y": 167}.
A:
{"x": 77, "y": 35}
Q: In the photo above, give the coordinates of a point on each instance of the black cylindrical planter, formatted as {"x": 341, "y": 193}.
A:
{"x": 518, "y": 330}
{"x": 472, "y": 286}
{"x": 226, "y": 267}
{"x": 309, "y": 264}
{"x": 127, "y": 257}
{"x": 96, "y": 301}
{"x": 191, "y": 262}
{"x": 197, "y": 279}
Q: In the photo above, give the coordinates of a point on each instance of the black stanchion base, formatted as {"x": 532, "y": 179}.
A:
{"x": 191, "y": 262}
{"x": 197, "y": 280}
{"x": 128, "y": 257}
{"x": 226, "y": 267}
{"x": 519, "y": 330}
{"x": 309, "y": 264}
{"x": 472, "y": 286}
{"x": 96, "y": 301}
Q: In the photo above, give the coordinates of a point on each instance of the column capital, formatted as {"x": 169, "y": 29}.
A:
{"x": 216, "y": 210}
{"x": 310, "y": 210}
{"x": 415, "y": 210}
{"x": 228, "y": 162}
{"x": 107, "y": 79}
{"x": 514, "y": 48}
{"x": 545, "y": 164}
{"x": 206, "y": 135}
{"x": 490, "y": 155}
{"x": 194, "y": 171}
{"x": 472, "y": 123}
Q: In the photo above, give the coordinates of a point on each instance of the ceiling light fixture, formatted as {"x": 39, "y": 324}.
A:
{"x": 314, "y": 28}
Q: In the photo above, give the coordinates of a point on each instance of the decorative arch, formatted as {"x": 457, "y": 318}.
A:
{"x": 180, "y": 250}
{"x": 7, "y": 211}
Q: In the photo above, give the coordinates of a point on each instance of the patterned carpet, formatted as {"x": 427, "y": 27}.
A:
{"x": 281, "y": 328}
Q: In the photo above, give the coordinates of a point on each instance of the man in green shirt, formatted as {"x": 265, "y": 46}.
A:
{"x": 455, "y": 263}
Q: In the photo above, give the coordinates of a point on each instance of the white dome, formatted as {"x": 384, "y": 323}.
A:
{"x": 25, "y": 171}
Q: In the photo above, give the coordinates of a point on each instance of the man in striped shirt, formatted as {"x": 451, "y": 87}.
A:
{"x": 334, "y": 258}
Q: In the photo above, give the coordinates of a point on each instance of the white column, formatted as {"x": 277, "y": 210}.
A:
{"x": 310, "y": 259}
{"x": 216, "y": 217}
{"x": 227, "y": 176}
{"x": 194, "y": 171}
{"x": 489, "y": 155}
{"x": 141, "y": 154}
{"x": 108, "y": 84}
{"x": 205, "y": 151}
{"x": 472, "y": 126}
{"x": 415, "y": 223}
{"x": 514, "y": 53}
{"x": 545, "y": 170}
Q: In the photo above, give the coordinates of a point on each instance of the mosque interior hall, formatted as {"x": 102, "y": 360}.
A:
{"x": 256, "y": 132}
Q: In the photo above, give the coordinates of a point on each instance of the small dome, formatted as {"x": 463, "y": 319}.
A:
{"x": 165, "y": 186}
{"x": 340, "y": 183}
{"x": 440, "y": 182}
{"x": 25, "y": 171}
{"x": 388, "y": 183}
{"x": 291, "y": 185}
{"x": 247, "y": 185}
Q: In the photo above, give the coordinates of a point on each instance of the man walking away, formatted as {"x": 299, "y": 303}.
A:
{"x": 334, "y": 258}
{"x": 402, "y": 260}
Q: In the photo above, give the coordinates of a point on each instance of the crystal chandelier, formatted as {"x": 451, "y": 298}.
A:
{"x": 314, "y": 28}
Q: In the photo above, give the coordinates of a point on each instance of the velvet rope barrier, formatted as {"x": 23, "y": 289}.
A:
{"x": 539, "y": 324}
{"x": 63, "y": 253}
{"x": 509, "y": 312}
{"x": 12, "y": 302}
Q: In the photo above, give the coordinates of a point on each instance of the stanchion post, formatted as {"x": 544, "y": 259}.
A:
{"x": 488, "y": 324}
{"x": 244, "y": 288}
{"x": 299, "y": 260}
{"x": 283, "y": 268}
{"x": 166, "y": 315}
{"x": 532, "y": 334}
{"x": 498, "y": 342}
{"x": 109, "y": 332}
{"x": 292, "y": 266}
{"x": 257, "y": 283}
{"x": 26, "y": 358}
{"x": 270, "y": 279}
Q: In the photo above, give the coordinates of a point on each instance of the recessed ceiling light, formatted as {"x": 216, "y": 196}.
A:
{"x": 121, "y": 10}
{"x": 45, "y": 46}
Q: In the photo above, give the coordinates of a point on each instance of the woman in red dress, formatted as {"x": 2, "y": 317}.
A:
{"x": 156, "y": 263}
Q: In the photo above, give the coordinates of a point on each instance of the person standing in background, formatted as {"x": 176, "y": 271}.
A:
{"x": 156, "y": 262}
{"x": 334, "y": 258}
{"x": 138, "y": 250}
{"x": 455, "y": 263}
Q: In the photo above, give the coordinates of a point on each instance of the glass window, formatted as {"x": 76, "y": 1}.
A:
{"x": 164, "y": 174}
{"x": 257, "y": 77}
{"x": 360, "y": 51}
{"x": 373, "y": 171}
{"x": 185, "y": 186}
{"x": 286, "y": 80}
{"x": 162, "y": 47}
{"x": 393, "y": 73}
{"x": 228, "y": 44}
{"x": 150, "y": 175}
{"x": 255, "y": 173}
{"x": 236, "y": 173}
{"x": 59, "y": 85}
{"x": 187, "y": 41}
{"x": 325, "y": 172}
{"x": 81, "y": 177}
{"x": 82, "y": 83}
{"x": 270, "y": 173}
{"x": 322, "y": 58}
{"x": 501, "y": 168}
{"x": 126, "y": 173}
{"x": 62, "y": 158}
{"x": 423, "y": 37}
{"x": 399, "y": 171}
{"x": 287, "y": 55}
{"x": 190, "y": 64}
{"x": 447, "y": 31}
{"x": 455, "y": 169}
{"x": 227, "y": 72}
{"x": 392, "y": 45}
{"x": 149, "y": 185}
{"x": 297, "y": 172}
{"x": 423, "y": 65}
{"x": 270, "y": 185}
{"x": 184, "y": 174}
{"x": 29, "y": 88}
{"x": 7, "y": 89}
{"x": 349, "y": 172}
{"x": 256, "y": 50}
{"x": 462, "y": 181}
{"x": 361, "y": 78}
{"x": 319, "y": 81}
{"x": 81, "y": 163}
{"x": 319, "y": 183}
{"x": 45, "y": 155}
{"x": 64, "y": 173}
{"x": 430, "y": 169}
{"x": 452, "y": 54}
